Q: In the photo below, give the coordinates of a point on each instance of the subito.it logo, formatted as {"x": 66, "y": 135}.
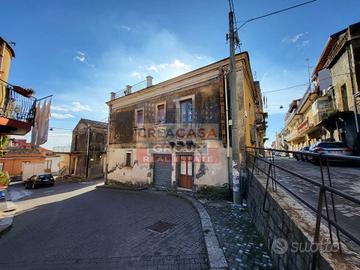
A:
{"x": 279, "y": 246}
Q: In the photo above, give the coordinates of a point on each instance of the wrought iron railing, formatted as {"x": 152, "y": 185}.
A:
{"x": 323, "y": 205}
{"x": 16, "y": 106}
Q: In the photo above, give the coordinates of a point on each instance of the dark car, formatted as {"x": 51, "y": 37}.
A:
{"x": 332, "y": 148}
{"x": 39, "y": 180}
{"x": 301, "y": 155}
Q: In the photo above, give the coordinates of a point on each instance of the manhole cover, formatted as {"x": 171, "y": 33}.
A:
{"x": 161, "y": 226}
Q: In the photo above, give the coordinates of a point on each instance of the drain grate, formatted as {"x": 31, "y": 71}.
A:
{"x": 161, "y": 226}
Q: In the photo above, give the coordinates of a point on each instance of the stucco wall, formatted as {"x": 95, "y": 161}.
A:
{"x": 210, "y": 166}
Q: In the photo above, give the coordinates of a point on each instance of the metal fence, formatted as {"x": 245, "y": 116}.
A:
{"x": 264, "y": 161}
{"x": 16, "y": 106}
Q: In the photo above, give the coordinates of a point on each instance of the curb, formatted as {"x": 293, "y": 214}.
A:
{"x": 215, "y": 253}
{"x": 121, "y": 188}
{"x": 7, "y": 215}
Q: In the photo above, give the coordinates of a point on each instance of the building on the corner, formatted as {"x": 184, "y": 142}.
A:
{"x": 88, "y": 149}
{"x": 176, "y": 133}
{"x": 17, "y": 105}
{"x": 329, "y": 109}
{"x": 341, "y": 103}
{"x": 20, "y": 160}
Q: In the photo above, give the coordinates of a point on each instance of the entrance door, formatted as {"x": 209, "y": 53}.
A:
{"x": 186, "y": 172}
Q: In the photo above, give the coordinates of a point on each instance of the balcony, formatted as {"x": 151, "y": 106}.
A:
{"x": 17, "y": 110}
{"x": 322, "y": 108}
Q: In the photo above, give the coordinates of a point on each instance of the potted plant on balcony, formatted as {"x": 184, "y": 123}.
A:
{"x": 26, "y": 92}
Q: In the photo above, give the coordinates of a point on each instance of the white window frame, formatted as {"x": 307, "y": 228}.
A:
{"x": 178, "y": 109}
{"x": 156, "y": 113}
{"x": 136, "y": 120}
{"x": 49, "y": 161}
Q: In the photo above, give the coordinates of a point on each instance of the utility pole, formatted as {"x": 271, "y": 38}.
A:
{"x": 235, "y": 172}
{"x": 87, "y": 151}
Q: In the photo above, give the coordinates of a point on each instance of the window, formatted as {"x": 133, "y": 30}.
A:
{"x": 76, "y": 142}
{"x": 139, "y": 118}
{"x": 128, "y": 160}
{"x": 1, "y": 167}
{"x": 344, "y": 98}
{"x": 48, "y": 164}
{"x": 186, "y": 114}
{"x": 160, "y": 114}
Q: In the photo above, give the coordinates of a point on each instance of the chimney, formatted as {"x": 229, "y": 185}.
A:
{"x": 112, "y": 95}
{"x": 149, "y": 81}
{"x": 127, "y": 90}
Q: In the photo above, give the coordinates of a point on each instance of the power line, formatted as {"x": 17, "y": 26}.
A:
{"x": 273, "y": 13}
{"x": 304, "y": 84}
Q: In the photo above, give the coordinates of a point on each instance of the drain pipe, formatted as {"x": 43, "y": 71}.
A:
{"x": 227, "y": 129}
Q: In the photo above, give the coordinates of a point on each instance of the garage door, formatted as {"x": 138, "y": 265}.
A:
{"x": 162, "y": 170}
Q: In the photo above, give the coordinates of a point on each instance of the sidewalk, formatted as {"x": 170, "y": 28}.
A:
{"x": 243, "y": 246}
{"x": 7, "y": 212}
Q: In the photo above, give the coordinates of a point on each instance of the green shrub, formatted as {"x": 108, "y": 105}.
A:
{"x": 4, "y": 179}
{"x": 215, "y": 193}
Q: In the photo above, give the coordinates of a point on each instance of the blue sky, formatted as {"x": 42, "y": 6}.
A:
{"x": 80, "y": 51}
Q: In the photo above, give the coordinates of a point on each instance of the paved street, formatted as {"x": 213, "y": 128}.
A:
{"x": 76, "y": 226}
{"x": 346, "y": 178}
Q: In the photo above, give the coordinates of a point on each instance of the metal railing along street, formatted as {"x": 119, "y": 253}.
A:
{"x": 263, "y": 160}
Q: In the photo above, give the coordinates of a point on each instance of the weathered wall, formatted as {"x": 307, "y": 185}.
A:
{"x": 213, "y": 171}
{"x": 55, "y": 164}
{"x": 340, "y": 73}
{"x": 64, "y": 162}
{"x": 206, "y": 110}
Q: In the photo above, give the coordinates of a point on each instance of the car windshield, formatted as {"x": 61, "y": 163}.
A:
{"x": 332, "y": 145}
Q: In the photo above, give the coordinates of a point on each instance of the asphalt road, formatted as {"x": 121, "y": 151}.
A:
{"x": 78, "y": 226}
{"x": 344, "y": 177}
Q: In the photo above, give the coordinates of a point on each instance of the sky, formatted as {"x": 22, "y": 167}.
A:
{"x": 80, "y": 51}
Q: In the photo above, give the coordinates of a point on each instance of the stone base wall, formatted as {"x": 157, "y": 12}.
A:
{"x": 286, "y": 222}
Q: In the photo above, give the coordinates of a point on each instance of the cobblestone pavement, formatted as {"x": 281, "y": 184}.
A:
{"x": 76, "y": 226}
{"x": 242, "y": 244}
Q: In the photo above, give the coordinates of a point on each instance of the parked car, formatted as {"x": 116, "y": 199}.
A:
{"x": 333, "y": 148}
{"x": 301, "y": 155}
{"x": 39, "y": 180}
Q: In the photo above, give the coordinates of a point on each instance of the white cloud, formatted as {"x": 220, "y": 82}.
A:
{"x": 303, "y": 43}
{"x": 135, "y": 74}
{"x": 175, "y": 65}
{"x": 78, "y": 107}
{"x": 75, "y": 106}
{"x": 126, "y": 28}
{"x": 61, "y": 116}
{"x": 81, "y": 57}
{"x": 297, "y": 39}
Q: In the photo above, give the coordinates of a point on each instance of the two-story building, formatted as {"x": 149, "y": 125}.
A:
{"x": 88, "y": 149}
{"x": 177, "y": 134}
{"x": 17, "y": 105}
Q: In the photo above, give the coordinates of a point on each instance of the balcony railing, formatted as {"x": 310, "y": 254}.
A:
{"x": 16, "y": 105}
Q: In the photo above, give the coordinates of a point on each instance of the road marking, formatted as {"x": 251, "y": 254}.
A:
{"x": 17, "y": 195}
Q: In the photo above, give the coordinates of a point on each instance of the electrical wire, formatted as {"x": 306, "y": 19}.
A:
{"x": 273, "y": 13}
{"x": 304, "y": 84}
